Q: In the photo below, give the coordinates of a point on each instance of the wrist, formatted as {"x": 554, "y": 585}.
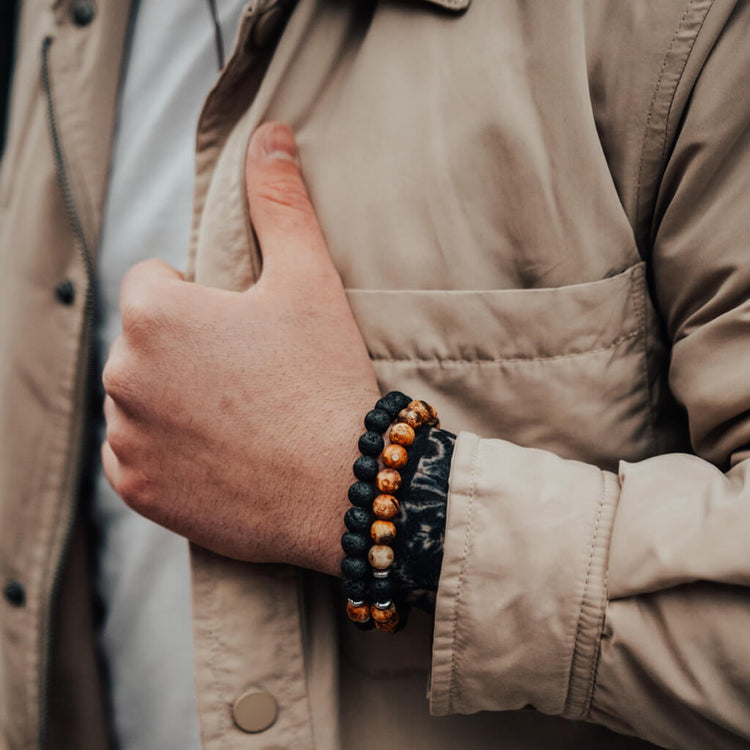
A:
{"x": 317, "y": 544}
{"x": 396, "y": 524}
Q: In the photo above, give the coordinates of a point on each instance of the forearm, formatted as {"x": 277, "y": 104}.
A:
{"x": 617, "y": 599}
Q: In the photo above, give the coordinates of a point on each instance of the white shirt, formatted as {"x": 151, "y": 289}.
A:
{"x": 143, "y": 572}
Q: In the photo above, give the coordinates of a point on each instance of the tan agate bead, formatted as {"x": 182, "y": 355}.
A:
{"x": 410, "y": 417}
{"x": 427, "y": 412}
{"x": 388, "y": 481}
{"x": 402, "y": 434}
{"x": 380, "y": 556}
{"x": 358, "y": 614}
{"x": 383, "y": 615}
{"x": 395, "y": 457}
{"x": 382, "y": 532}
{"x": 389, "y": 625}
{"x": 385, "y": 507}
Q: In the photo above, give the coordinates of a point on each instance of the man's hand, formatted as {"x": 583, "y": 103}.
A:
{"x": 232, "y": 418}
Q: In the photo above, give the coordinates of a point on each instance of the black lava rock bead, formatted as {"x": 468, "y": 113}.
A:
{"x": 357, "y": 519}
{"x": 366, "y": 468}
{"x": 381, "y": 589}
{"x": 362, "y": 494}
{"x": 354, "y": 568}
{"x": 354, "y": 544}
{"x": 378, "y": 420}
{"x": 371, "y": 443}
{"x": 355, "y": 590}
{"x": 393, "y": 402}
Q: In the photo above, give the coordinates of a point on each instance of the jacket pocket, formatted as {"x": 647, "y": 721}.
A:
{"x": 564, "y": 369}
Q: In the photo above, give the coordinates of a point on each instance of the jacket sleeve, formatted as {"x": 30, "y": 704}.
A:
{"x": 624, "y": 598}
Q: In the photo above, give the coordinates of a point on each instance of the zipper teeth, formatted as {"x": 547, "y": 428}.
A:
{"x": 218, "y": 36}
{"x": 62, "y": 179}
{"x": 89, "y": 304}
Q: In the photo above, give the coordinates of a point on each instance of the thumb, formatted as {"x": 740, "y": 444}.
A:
{"x": 291, "y": 240}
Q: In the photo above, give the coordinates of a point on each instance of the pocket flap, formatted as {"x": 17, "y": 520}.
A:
{"x": 500, "y": 325}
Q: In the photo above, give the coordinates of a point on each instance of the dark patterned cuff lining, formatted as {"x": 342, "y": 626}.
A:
{"x": 421, "y": 521}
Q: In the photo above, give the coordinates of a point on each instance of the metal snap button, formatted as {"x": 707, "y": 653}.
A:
{"x": 65, "y": 292}
{"x": 255, "y": 710}
{"x": 82, "y": 12}
{"x": 14, "y": 593}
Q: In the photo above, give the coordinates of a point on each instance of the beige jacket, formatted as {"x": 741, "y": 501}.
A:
{"x": 540, "y": 211}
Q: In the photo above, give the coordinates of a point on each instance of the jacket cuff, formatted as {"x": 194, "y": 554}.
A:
{"x": 522, "y": 589}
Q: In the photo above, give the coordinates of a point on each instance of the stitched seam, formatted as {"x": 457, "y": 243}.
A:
{"x": 639, "y": 300}
{"x": 652, "y": 104}
{"x": 215, "y": 646}
{"x": 299, "y": 582}
{"x": 510, "y": 360}
{"x": 600, "y": 622}
{"x": 467, "y": 536}
{"x": 291, "y": 649}
{"x": 691, "y": 44}
{"x": 584, "y": 595}
{"x": 595, "y": 665}
{"x": 667, "y": 119}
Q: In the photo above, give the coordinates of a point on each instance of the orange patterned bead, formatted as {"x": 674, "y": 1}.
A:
{"x": 380, "y": 556}
{"x": 383, "y": 615}
{"x": 402, "y": 434}
{"x": 427, "y": 412}
{"x": 388, "y": 481}
{"x": 411, "y": 417}
{"x": 359, "y": 613}
{"x": 382, "y": 532}
{"x": 389, "y": 625}
{"x": 385, "y": 507}
{"x": 395, "y": 457}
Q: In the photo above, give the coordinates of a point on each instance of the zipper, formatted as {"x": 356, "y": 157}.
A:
{"x": 64, "y": 182}
{"x": 81, "y": 391}
{"x": 218, "y": 36}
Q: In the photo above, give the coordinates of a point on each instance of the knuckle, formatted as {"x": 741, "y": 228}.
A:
{"x": 119, "y": 442}
{"x": 115, "y": 375}
{"x": 109, "y": 378}
{"x": 148, "y": 318}
{"x": 139, "y": 316}
{"x": 137, "y": 492}
{"x": 143, "y": 271}
{"x": 112, "y": 379}
{"x": 144, "y": 303}
{"x": 134, "y": 279}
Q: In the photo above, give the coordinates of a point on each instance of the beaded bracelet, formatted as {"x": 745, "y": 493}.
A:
{"x": 370, "y": 603}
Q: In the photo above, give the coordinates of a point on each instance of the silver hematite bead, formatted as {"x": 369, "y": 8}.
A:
{"x": 380, "y": 574}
